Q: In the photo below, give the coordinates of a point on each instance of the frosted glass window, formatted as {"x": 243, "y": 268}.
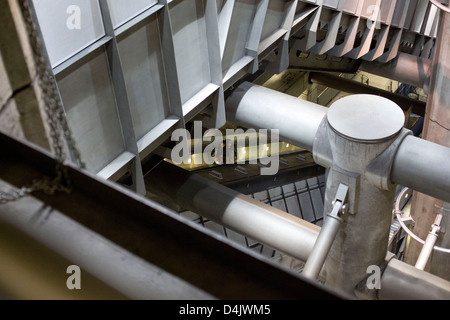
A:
{"x": 122, "y": 10}
{"x": 142, "y": 63}
{"x": 191, "y": 48}
{"x": 88, "y": 97}
{"x": 68, "y": 26}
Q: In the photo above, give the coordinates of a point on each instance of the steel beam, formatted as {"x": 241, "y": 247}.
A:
{"x": 354, "y": 87}
{"x": 233, "y": 210}
{"x": 421, "y": 165}
{"x": 156, "y": 234}
{"x": 252, "y": 106}
{"x": 418, "y": 164}
{"x": 406, "y": 68}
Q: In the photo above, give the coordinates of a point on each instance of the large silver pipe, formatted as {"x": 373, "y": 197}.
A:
{"x": 257, "y": 107}
{"x": 406, "y": 68}
{"x": 401, "y": 281}
{"x": 243, "y": 214}
{"x": 423, "y": 166}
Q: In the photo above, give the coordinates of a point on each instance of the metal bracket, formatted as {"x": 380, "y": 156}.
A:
{"x": 339, "y": 203}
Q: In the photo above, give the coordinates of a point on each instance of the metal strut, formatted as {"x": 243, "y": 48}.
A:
{"x": 327, "y": 235}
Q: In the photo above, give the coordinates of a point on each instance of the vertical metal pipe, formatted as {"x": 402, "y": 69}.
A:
{"x": 236, "y": 211}
{"x": 429, "y": 244}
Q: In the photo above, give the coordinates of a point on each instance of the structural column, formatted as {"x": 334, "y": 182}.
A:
{"x": 356, "y": 143}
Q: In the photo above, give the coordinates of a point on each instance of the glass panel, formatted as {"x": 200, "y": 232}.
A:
{"x": 68, "y": 28}
{"x": 89, "y": 102}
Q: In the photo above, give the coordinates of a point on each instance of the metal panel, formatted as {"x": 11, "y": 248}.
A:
{"x": 122, "y": 11}
{"x": 191, "y": 47}
{"x": 88, "y": 98}
{"x": 276, "y": 13}
{"x": 368, "y": 8}
{"x": 68, "y": 28}
{"x": 142, "y": 61}
{"x": 349, "y": 6}
{"x": 240, "y": 26}
{"x": 331, "y": 3}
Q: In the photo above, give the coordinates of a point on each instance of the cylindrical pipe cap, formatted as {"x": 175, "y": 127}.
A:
{"x": 366, "y": 118}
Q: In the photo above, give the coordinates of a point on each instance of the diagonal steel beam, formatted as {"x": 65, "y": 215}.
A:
{"x": 156, "y": 234}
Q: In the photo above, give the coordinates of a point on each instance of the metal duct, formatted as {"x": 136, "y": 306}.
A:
{"x": 406, "y": 68}
{"x": 253, "y": 106}
{"x": 234, "y": 210}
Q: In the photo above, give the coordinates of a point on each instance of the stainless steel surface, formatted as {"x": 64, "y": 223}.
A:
{"x": 122, "y": 12}
{"x": 366, "y": 118}
{"x": 179, "y": 69}
{"x": 424, "y": 174}
{"x": 253, "y": 106}
{"x": 362, "y": 240}
{"x": 236, "y": 211}
{"x": 401, "y": 281}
